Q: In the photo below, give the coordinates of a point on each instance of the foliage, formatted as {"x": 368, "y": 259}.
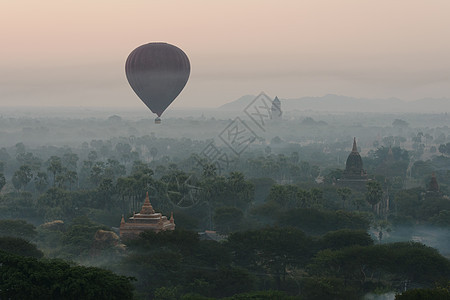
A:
{"x": 442, "y": 219}
{"x": 227, "y": 219}
{"x": 78, "y": 239}
{"x": 19, "y": 246}
{"x": 263, "y": 295}
{"x": 374, "y": 193}
{"x": 406, "y": 260}
{"x": 22, "y": 177}
{"x": 17, "y": 228}
{"x": 28, "y": 278}
{"x": 318, "y": 288}
{"x": 178, "y": 239}
{"x": 55, "y": 204}
{"x": 382, "y": 162}
{"x": 290, "y": 196}
{"x": 344, "y": 238}
{"x": 262, "y": 187}
{"x": 344, "y": 193}
{"x": 436, "y": 293}
{"x": 421, "y": 168}
{"x": 2, "y": 181}
{"x": 18, "y": 206}
{"x": 400, "y": 123}
{"x": 272, "y": 250}
{"x": 276, "y": 184}
{"x": 333, "y": 176}
{"x": 202, "y": 267}
{"x": 444, "y": 148}
{"x": 422, "y": 206}
{"x": 41, "y": 181}
{"x": 315, "y": 221}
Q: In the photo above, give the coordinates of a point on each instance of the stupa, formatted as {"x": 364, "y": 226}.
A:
{"x": 354, "y": 175}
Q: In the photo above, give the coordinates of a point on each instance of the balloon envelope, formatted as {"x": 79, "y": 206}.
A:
{"x": 157, "y": 72}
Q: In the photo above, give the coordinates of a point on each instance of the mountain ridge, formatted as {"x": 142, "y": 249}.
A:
{"x": 340, "y": 103}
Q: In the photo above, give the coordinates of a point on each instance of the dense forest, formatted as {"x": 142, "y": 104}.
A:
{"x": 286, "y": 226}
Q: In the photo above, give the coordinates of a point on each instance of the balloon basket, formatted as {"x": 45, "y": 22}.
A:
{"x": 158, "y": 120}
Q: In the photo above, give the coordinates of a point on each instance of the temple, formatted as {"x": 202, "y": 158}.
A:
{"x": 433, "y": 186}
{"x": 276, "y": 112}
{"x": 354, "y": 165}
{"x": 354, "y": 175}
{"x": 145, "y": 220}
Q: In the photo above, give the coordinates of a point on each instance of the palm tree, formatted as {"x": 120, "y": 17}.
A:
{"x": 23, "y": 175}
{"x": 41, "y": 181}
{"x": 374, "y": 193}
{"x": 55, "y": 167}
{"x": 209, "y": 171}
{"x": 344, "y": 193}
{"x": 71, "y": 177}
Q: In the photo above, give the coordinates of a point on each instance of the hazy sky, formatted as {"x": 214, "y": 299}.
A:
{"x": 60, "y": 52}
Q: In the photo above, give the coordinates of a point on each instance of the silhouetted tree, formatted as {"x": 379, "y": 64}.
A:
{"x": 2, "y": 181}
{"x": 55, "y": 167}
{"x": 344, "y": 193}
{"x": 374, "y": 193}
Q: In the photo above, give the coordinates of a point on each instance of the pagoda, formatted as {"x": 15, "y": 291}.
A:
{"x": 275, "y": 110}
{"x": 433, "y": 186}
{"x": 354, "y": 175}
{"x": 354, "y": 165}
{"x": 145, "y": 220}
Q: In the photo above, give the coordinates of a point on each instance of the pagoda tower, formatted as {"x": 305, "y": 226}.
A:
{"x": 354, "y": 165}
{"x": 433, "y": 186}
{"x": 275, "y": 110}
{"x": 354, "y": 175}
{"x": 146, "y": 220}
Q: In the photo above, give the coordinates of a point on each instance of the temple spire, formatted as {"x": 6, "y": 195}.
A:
{"x": 433, "y": 186}
{"x": 355, "y": 148}
{"x": 171, "y": 218}
{"x": 276, "y": 112}
{"x": 147, "y": 207}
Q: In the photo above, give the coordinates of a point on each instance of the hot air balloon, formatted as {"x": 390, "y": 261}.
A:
{"x": 157, "y": 72}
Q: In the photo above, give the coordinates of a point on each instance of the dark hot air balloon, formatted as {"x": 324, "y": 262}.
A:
{"x": 157, "y": 72}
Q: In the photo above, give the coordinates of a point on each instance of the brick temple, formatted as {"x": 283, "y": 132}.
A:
{"x": 146, "y": 220}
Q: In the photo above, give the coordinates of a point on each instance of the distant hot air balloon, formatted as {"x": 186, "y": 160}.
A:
{"x": 157, "y": 72}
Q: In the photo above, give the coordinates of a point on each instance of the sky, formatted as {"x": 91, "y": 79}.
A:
{"x": 72, "y": 53}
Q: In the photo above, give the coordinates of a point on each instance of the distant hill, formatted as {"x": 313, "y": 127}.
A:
{"x": 337, "y": 103}
{"x": 238, "y": 104}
